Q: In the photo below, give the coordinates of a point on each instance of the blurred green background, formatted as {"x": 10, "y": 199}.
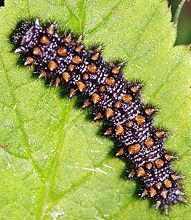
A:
{"x": 181, "y": 15}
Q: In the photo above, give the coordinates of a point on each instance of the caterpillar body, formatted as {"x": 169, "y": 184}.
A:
{"x": 63, "y": 59}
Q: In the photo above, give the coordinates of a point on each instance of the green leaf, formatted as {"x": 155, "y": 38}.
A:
{"x": 55, "y": 164}
{"x": 176, "y": 8}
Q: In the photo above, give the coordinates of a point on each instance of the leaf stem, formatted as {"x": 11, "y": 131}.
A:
{"x": 178, "y": 11}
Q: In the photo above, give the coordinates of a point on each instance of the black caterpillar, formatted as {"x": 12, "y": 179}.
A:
{"x": 63, "y": 60}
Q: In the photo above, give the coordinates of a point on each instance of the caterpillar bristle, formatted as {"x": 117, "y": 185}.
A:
{"x": 62, "y": 59}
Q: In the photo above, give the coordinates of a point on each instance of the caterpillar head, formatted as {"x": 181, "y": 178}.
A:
{"x": 26, "y": 34}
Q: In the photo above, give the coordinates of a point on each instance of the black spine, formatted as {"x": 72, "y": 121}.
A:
{"x": 61, "y": 59}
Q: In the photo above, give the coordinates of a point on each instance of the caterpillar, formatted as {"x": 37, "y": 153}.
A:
{"x": 62, "y": 59}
